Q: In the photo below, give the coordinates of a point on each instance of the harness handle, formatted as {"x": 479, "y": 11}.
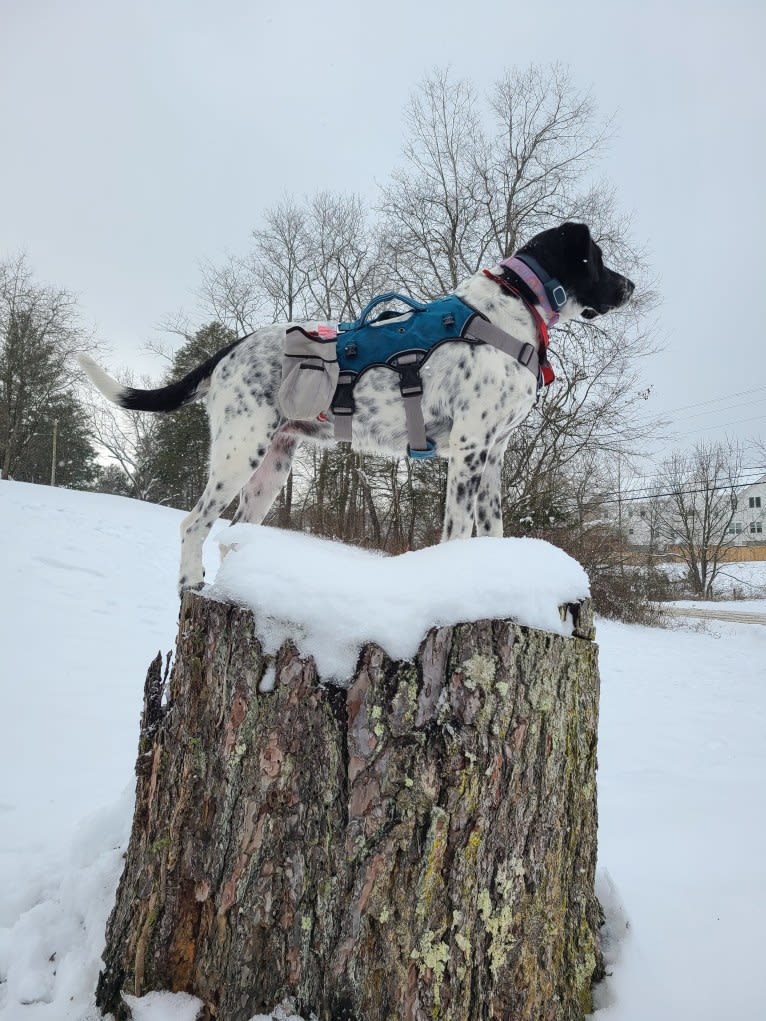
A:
{"x": 416, "y": 306}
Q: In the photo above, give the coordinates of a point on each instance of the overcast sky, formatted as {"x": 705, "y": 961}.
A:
{"x": 141, "y": 137}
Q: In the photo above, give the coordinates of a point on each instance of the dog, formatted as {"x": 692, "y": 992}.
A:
{"x": 474, "y": 395}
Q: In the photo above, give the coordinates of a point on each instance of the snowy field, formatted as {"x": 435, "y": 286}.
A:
{"x": 741, "y": 605}
{"x": 87, "y": 598}
{"x": 745, "y": 581}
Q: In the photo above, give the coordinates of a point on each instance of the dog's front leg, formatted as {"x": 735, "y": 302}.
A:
{"x": 466, "y": 464}
{"x": 489, "y": 508}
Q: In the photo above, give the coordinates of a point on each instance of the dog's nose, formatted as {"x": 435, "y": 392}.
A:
{"x": 628, "y": 287}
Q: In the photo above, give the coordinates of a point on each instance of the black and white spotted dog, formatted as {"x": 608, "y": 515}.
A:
{"x": 474, "y": 396}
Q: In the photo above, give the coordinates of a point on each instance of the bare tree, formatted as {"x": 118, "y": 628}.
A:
{"x": 231, "y": 295}
{"x": 544, "y": 140}
{"x": 316, "y": 259}
{"x": 474, "y": 184}
{"x": 278, "y": 260}
{"x": 128, "y": 438}
{"x": 435, "y": 229}
{"x": 595, "y": 409}
{"x": 340, "y": 258}
{"x": 695, "y": 505}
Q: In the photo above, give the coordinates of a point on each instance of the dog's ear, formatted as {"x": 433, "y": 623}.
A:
{"x": 576, "y": 237}
{"x": 581, "y": 252}
{"x": 567, "y": 245}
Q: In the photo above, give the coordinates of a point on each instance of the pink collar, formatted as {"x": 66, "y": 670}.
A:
{"x": 535, "y": 284}
{"x": 546, "y": 372}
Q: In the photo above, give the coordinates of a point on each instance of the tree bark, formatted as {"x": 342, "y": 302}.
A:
{"x": 420, "y": 845}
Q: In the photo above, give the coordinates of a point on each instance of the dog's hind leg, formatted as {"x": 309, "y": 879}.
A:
{"x": 258, "y": 496}
{"x": 232, "y": 462}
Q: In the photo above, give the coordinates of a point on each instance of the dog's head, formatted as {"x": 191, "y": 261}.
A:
{"x": 570, "y": 255}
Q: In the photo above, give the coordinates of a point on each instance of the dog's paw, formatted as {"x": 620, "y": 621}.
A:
{"x": 186, "y": 584}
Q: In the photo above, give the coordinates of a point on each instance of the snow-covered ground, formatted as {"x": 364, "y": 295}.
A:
{"x": 87, "y": 598}
{"x": 711, "y": 607}
{"x": 746, "y": 580}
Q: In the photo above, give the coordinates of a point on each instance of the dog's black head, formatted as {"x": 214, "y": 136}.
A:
{"x": 570, "y": 254}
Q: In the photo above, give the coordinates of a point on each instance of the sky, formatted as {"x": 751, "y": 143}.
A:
{"x": 142, "y": 138}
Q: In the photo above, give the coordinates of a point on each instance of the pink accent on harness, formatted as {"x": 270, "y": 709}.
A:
{"x": 533, "y": 283}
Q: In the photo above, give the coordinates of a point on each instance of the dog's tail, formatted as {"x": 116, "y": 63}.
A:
{"x": 166, "y": 398}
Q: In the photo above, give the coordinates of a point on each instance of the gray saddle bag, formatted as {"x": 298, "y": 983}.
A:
{"x": 309, "y": 372}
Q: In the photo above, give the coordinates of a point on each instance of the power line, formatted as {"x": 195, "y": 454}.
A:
{"x": 670, "y": 417}
{"x": 756, "y": 401}
{"x": 723, "y": 425}
{"x": 679, "y": 489}
{"x": 656, "y": 495}
{"x": 758, "y": 469}
{"x": 723, "y": 397}
{"x": 650, "y": 492}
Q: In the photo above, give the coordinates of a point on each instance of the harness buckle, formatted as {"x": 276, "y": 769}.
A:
{"x": 343, "y": 401}
{"x": 526, "y": 354}
{"x": 408, "y": 367}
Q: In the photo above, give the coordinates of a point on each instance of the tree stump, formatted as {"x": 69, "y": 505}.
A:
{"x": 419, "y": 845}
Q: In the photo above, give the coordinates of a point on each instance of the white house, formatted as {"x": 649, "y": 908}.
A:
{"x": 749, "y": 524}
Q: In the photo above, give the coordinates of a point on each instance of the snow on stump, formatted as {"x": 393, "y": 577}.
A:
{"x": 420, "y": 843}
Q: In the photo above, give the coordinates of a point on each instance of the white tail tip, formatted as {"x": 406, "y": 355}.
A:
{"x": 102, "y": 381}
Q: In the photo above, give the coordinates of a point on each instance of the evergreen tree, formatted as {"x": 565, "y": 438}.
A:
{"x": 39, "y": 330}
{"x": 73, "y": 463}
{"x": 111, "y": 478}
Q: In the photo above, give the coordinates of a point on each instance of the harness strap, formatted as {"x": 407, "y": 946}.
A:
{"x": 343, "y": 427}
{"x": 408, "y": 365}
{"x": 411, "y": 388}
{"x": 343, "y": 406}
{"x": 418, "y": 445}
{"x": 545, "y": 370}
{"x": 486, "y": 332}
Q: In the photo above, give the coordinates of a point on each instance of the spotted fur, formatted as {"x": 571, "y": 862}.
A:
{"x": 474, "y": 396}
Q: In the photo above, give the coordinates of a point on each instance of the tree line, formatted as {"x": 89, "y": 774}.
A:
{"x": 477, "y": 176}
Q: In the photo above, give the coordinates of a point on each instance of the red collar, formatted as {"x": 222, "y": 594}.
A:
{"x": 542, "y": 327}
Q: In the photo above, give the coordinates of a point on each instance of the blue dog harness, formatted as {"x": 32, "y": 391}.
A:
{"x": 403, "y": 343}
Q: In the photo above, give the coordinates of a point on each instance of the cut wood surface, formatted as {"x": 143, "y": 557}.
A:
{"x": 419, "y": 845}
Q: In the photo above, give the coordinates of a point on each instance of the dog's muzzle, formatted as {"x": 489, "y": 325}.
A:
{"x": 621, "y": 295}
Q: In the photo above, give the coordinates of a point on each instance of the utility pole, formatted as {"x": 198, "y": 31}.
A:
{"x": 53, "y": 456}
{"x": 619, "y": 516}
